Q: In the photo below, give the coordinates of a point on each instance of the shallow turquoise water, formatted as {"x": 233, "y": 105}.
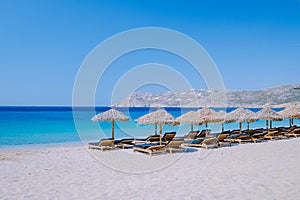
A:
{"x": 48, "y": 125}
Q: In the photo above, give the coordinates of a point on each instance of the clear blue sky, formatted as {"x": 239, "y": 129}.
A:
{"x": 255, "y": 44}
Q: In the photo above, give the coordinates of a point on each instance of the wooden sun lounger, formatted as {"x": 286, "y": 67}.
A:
{"x": 103, "y": 144}
{"x": 232, "y": 137}
{"x": 221, "y": 139}
{"x": 250, "y": 131}
{"x": 272, "y": 129}
{"x": 271, "y": 135}
{"x": 175, "y": 145}
{"x": 294, "y": 127}
{"x": 150, "y": 139}
{"x": 226, "y": 132}
{"x": 258, "y": 135}
{"x": 150, "y": 149}
{"x": 192, "y": 135}
{"x": 260, "y": 130}
{"x": 241, "y": 138}
{"x": 294, "y": 133}
{"x": 171, "y": 146}
{"x": 282, "y": 128}
{"x": 205, "y": 143}
{"x": 234, "y": 132}
{"x": 124, "y": 143}
{"x": 168, "y": 136}
{"x": 267, "y": 135}
{"x": 203, "y": 133}
{"x": 282, "y": 135}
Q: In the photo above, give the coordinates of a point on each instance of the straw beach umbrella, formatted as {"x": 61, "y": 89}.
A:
{"x": 111, "y": 115}
{"x": 241, "y": 115}
{"x": 290, "y": 112}
{"x": 160, "y": 117}
{"x": 219, "y": 117}
{"x": 269, "y": 115}
{"x": 248, "y": 117}
{"x": 206, "y": 116}
{"x": 188, "y": 118}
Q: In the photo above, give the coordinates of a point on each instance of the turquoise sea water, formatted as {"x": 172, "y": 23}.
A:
{"x": 54, "y": 125}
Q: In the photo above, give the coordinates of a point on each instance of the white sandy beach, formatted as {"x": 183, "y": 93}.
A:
{"x": 250, "y": 171}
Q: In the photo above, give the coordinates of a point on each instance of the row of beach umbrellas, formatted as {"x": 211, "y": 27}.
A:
{"x": 203, "y": 116}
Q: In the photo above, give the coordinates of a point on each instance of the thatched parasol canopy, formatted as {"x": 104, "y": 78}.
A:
{"x": 269, "y": 115}
{"x": 241, "y": 115}
{"x": 157, "y": 117}
{"x": 290, "y": 112}
{"x": 111, "y": 115}
{"x": 188, "y": 118}
{"x": 219, "y": 117}
{"x": 160, "y": 117}
{"x": 206, "y": 116}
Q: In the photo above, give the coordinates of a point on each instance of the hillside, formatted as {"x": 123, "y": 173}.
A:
{"x": 277, "y": 96}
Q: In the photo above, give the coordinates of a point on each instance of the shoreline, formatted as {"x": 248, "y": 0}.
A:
{"x": 25, "y": 147}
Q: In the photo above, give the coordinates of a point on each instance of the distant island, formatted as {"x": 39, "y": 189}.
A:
{"x": 276, "y": 97}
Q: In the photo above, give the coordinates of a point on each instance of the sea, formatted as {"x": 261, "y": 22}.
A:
{"x": 35, "y": 126}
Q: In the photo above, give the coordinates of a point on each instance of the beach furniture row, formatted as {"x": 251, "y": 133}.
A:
{"x": 196, "y": 139}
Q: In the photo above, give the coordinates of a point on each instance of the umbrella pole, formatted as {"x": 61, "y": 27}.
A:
{"x": 206, "y": 126}
{"x": 155, "y": 125}
{"x": 160, "y": 131}
{"x": 290, "y": 122}
{"x": 270, "y": 123}
{"x": 240, "y": 127}
{"x": 113, "y": 129}
{"x": 222, "y": 127}
{"x": 248, "y": 125}
{"x": 267, "y": 124}
{"x": 192, "y": 127}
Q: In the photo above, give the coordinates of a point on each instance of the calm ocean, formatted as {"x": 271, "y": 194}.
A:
{"x": 33, "y": 125}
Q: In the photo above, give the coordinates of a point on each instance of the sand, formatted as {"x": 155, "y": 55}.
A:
{"x": 269, "y": 170}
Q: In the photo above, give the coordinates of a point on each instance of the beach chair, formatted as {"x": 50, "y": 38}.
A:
{"x": 294, "y": 127}
{"x": 150, "y": 148}
{"x": 222, "y": 136}
{"x": 272, "y": 129}
{"x": 150, "y": 139}
{"x": 175, "y": 145}
{"x": 240, "y": 138}
{"x": 270, "y": 135}
{"x": 258, "y": 134}
{"x": 221, "y": 139}
{"x": 203, "y": 134}
{"x": 103, "y": 144}
{"x": 281, "y": 128}
{"x": 205, "y": 143}
{"x": 294, "y": 133}
{"x": 192, "y": 135}
{"x": 290, "y": 129}
{"x": 168, "y": 136}
{"x": 282, "y": 135}
{"x": 226, "y": 132}
{"x": 233, "y": 132}
{"x": 124, "y": 143}
{"x": 250, "y": 131}
{"x": 260, "y": 130}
